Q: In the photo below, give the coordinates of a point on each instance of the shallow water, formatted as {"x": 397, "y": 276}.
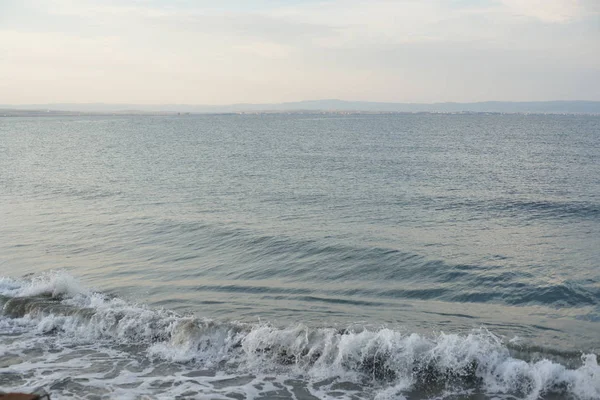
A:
{"x": 257, "y": 256}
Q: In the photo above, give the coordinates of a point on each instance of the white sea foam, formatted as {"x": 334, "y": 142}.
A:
{"x": 129, "y": 350}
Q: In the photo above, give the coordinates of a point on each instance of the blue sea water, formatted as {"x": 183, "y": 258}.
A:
{"x": 417, "y": 256}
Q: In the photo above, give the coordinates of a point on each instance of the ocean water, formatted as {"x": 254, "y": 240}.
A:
{"x": 424, "y": 256}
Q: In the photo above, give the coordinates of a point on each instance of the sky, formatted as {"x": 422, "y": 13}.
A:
{"x": 267, "y": 51}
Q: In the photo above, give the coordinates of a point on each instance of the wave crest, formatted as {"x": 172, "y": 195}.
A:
{"x": 57, "y": 304}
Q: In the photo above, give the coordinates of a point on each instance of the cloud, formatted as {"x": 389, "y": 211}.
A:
{"x": 552, "y": 11}
{"x": 266, "y": 49}
{"x": 404, "y": 50}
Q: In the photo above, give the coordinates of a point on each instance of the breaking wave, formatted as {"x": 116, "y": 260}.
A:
{"x": 382, "y": 361}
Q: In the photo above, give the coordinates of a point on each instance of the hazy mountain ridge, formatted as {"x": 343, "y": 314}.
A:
{"x": 576, "y": 107}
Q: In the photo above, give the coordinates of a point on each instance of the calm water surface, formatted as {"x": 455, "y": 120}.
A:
{"x": 301, "y": 256}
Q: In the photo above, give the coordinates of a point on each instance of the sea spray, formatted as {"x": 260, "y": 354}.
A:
{"x": 56, "y": 310}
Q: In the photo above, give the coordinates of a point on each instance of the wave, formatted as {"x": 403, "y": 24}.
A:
{"x": 527, "y": 209}
{"x": 414, "y": 275}
{"x": 56, "y": 304}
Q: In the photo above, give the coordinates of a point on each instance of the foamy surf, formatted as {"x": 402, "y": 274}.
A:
{"x": 76, "y": 342}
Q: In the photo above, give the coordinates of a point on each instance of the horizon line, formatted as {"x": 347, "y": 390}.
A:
{"x": 300, "y": 101}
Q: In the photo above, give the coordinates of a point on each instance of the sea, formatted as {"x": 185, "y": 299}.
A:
{"x": 301, "y": 256}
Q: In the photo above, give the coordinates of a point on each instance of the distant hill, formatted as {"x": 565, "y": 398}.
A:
{"x": 575, "y": 107}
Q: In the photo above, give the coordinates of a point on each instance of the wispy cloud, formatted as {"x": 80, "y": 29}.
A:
{"x": 553, "y": 11}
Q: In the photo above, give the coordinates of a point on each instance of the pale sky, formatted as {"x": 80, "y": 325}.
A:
{"x": 262, "y": 51}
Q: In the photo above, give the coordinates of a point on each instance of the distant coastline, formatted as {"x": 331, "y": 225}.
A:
{"x": 303, "y": 107}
